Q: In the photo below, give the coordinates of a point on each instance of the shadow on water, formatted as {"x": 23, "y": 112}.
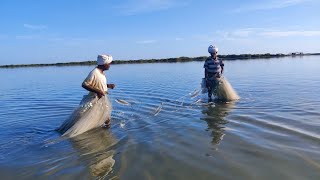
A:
{"x": 97, "y": 150}
{"x": 215, "y": 117}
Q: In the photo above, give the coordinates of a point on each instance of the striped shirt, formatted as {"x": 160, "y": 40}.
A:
{"x": 213, "y": 66}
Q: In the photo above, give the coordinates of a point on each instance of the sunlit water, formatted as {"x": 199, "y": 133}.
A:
{"x": 273, "y": 132}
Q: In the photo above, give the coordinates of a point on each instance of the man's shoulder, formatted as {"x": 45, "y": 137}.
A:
{"x": 93, "y": 72}
{"x": 208, "y": 59}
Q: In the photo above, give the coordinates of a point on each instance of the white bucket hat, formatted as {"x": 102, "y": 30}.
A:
{"x": 104, "y": 59}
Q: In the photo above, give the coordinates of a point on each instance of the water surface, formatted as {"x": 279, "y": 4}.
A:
{"x": 271, "y": 133}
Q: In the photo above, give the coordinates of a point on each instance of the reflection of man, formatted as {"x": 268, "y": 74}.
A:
{"x": 213, "y": 69}
{"x": 215, "y": 118}
{"x": 96, "y": 146}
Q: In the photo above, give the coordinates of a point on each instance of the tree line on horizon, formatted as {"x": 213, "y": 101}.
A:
{"x": 165, "y": 60}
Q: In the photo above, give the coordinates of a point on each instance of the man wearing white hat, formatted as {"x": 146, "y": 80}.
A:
{"x": 96, "y": 82}
{"x": 95, "y": 108}
{"x": 213, "y": 70}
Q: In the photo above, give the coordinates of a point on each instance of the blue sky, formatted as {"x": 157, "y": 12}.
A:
{"x": 50, "y": 31}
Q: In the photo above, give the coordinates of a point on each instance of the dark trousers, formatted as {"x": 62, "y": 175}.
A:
{"x": 211, "y": 86}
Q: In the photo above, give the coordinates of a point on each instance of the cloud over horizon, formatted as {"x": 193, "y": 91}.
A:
{"x": 270, "y": 5}
{"x": 266, "y": 33}
{"x": 35, "y": 27}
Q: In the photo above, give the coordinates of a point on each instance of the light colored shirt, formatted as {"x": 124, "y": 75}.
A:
{"x": 97, "y": 80}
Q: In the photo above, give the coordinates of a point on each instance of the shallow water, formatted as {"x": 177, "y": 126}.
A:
{"x": 271, "y": 133}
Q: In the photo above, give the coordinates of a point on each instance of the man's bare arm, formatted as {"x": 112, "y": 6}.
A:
{"x": 91, "y": 89}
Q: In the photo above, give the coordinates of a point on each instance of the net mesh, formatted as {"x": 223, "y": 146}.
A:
{"x": 91, "y": 113}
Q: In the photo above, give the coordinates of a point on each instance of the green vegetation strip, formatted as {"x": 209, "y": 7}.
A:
{"x": 168, "y": 60}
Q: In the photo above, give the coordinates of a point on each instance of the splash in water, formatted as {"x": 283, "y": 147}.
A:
{"x": 195, "y": 93}
{"x": 157, "y": 111}
{"x": 122, "y": 124}
{"x": 123, "y": 102}
{"x": 198, "y": 101}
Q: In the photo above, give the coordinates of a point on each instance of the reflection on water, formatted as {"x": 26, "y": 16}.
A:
{"x": 215, "y": 118}
{"x": 96, "y": 147}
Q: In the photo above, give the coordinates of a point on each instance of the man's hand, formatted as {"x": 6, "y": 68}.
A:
{"x": 100, "y": 94}
{"x": 111, "y": 86}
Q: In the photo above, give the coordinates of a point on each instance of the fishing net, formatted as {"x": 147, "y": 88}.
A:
{"x": 92, "y": 112}
{"x": 224, "y": 91}
{"x": 221, "y": 88}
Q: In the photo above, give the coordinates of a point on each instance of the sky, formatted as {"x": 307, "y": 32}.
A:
{"x": 51, "y": 31}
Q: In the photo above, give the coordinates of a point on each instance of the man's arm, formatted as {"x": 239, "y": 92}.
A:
{"x": 91, "y": 89}
{"x": 205, "y": 70}
{"x": 222, "y": 66}
{"x": 205, "y": 73}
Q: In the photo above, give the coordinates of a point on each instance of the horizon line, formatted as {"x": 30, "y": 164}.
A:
{"x": 175, "y": 59}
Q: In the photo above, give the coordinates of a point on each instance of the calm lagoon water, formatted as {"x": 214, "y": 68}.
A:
{"x": 273, "y": 132}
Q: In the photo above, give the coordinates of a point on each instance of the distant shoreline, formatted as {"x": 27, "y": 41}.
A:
{"x": 167, "y": 60}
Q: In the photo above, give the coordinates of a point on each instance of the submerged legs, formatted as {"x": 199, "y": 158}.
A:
{"x": 211, "y": 86}
{"x": 209, "y": 94}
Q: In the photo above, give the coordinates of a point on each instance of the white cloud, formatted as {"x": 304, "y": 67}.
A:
{"x": 76, "y": 41}
{"x": 146, "y": 42}
{"x": 132, "y": 7}
{"x": 35, "y": 27}
{"x": 289, "y": 33}
{"x": 265, "y": 32}
{"x": 242, "y": 32}
{"x": 252, "y": 34}
{"x": 274, "y": 4}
